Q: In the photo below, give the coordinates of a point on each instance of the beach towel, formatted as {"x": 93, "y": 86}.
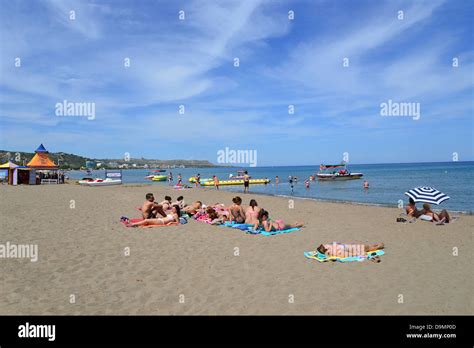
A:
{"x": 316, "y": 255}
{"x": 249, "y": 229}
{"x": 272, "y": 233}
{"x": 123, "y": 221}
{"x": 239, "y": 226}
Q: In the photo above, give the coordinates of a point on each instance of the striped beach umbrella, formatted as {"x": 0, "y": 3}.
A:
{"x": 427, "y": 194}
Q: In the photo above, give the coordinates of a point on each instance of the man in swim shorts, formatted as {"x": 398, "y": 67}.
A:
{"x": 150, "y": 209}
{"x": 246, "y": 182}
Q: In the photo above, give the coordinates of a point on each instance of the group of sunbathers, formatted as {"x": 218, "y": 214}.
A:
{"x": 235, "y": 213}
{"x": 168, "y": 212}
{"x": 426, "y": 213}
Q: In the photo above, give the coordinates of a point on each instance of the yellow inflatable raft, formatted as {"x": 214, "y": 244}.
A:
{"x": 236, "y": 182}
{"x": 159, "y": 178}
{"x": 192, "y": 180}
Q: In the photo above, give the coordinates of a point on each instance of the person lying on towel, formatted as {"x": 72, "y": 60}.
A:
{"x": 193, "y": 208}
{"x": 270, "y": 225}
{"x": 349, "y": 249}
{"x": 172, "y": 216}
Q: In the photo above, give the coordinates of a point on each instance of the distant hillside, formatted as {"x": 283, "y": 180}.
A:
{"x": 71, "y": 161}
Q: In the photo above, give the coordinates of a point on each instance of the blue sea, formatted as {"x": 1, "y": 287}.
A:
{"x": 388, "y": 182}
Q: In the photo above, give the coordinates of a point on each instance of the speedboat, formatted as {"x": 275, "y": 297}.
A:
{"x": 84, "y": 180}
{"x": 331, "y": 173}
{"x": 240, "y": 175}
{"x": 153, "y": 173}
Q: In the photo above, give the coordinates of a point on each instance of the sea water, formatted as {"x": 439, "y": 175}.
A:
{"x": 388, "y": 182}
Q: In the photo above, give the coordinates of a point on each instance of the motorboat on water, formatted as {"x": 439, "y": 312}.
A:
{"x": 337, "y": 172}
{"x": 240, "y": 175}
{"x": 154, "y": 173}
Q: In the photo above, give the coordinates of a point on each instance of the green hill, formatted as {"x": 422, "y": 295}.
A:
{"x": 71, "y": 161}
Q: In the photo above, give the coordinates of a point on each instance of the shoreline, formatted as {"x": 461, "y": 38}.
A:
{"x": 323, "y": 200}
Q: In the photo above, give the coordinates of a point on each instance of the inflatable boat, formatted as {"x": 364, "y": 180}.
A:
{"x": 159, "y": 178}
{"x": 192, "y": 180}
{"x": 237, "y": 182}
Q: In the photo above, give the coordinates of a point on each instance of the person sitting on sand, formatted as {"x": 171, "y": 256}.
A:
{"x": 428, "y": 215}
{"x": 172, "y": 216}
{"x": 251, "y": 213}
{"x": 193, "y": 208}
{"x": 411, "y": 209}
{"x": 150, "y": 209}
{"x": 334, "y": 249}
{"x": 269, "y": 225}
{"x": 237, "y": 213}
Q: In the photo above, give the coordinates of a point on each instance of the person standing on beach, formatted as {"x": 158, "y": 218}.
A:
{"x": 216, "y": 182}
{"x": 179, "y": 179}
{"x": 246, "y": 182}
{"x": 170, "y": 177}
{"x": 277, "y": 180}
{"x": 198, "y": 180}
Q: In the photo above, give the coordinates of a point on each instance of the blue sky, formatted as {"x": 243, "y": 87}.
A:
{"x": 282, "y": 62}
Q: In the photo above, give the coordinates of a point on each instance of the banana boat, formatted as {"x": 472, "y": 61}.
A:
{"x": 236, "y": 182}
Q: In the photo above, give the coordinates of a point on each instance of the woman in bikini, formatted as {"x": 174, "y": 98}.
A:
{"x": 237, "y": 213}
{"x": 429, "y": 215}
{"x": 329, "y": 249}
{"x": 411, "y": 209}
{"x": 269, "y": 225}
{"x": 251, "y": 214}
{"x": 172, "y": 216}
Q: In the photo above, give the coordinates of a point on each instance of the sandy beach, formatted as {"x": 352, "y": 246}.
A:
{"x": 201, "y": 269}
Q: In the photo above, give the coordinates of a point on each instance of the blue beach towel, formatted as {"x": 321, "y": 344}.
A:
{"x": 249, "y": 229}
{"x": 271, "y": 233}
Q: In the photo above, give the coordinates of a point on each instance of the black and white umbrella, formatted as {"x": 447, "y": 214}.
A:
{"x": 427, "y": 194}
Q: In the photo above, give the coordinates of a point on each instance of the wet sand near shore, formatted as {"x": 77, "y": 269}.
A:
{"x": 201, "y": 269}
